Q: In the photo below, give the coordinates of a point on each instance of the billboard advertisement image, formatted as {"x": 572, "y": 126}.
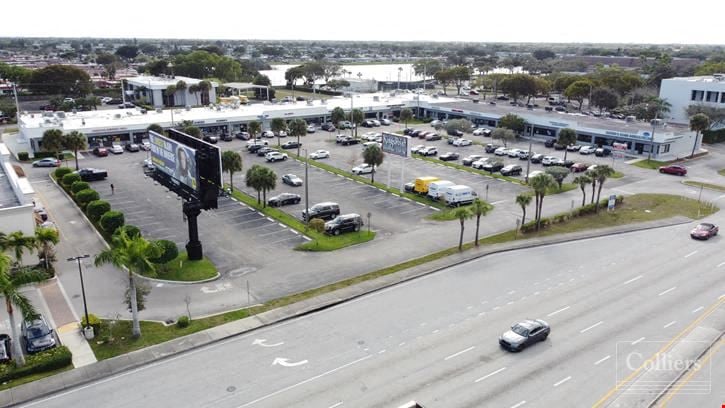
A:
{"x": 395, "y": 144}
{"x": 174, "y": 159}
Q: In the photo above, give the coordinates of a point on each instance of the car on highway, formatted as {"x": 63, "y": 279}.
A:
{"x": 292, "y": 180}
{"x": 491, "y": 148}
{"x": 587, "y": 150}
{"x": 363, "y": 169}
{"x": 291, "y": 144}
{"x": 501, "y": 151}
{"x": 579, "y": 167}
{"x": 284, "y": 199}
{"x": 478, "y": 164}
{"x": 428, "y": 151}
{"x": 482, "y": 132}
{"x": 100, "y": 151}
{"x": 47, "y": 162}
{"x": 116, "y": 149}
{"x": 37, "y": 334}
{"x": 325, "y": 211}
{"x": 676, "y": 169}
{"x": 319, "y": 154}
{"x": 449, "y": 156}
{"x": 132, "y": 147}
{"x": 344, "y": 223}
{"x": 275, "y": 156}
{"x": 468, "y": 160}
{"x": 511, "y": 170}
{"x": 91, "y": 174}
{"x": 704, "y": 231}
{"x": 462, "y": 142}
{"x": 524, "y": 334}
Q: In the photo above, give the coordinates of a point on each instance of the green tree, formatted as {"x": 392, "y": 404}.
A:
{"x": 699, "y": 123}
{"x": 558, "y": 173}
{"x": 373, "y": 155}
{"x": 204, "y": 88}
{"x": 513, "y": 122}
{"x": 604, "y": 98}
{"x": 298, "y": 128}
{"x": 169, "y": 252}
{"x": 519, "y": 85}
{"x": 462, "y": 214}
{"x": 523, "y": 200}
{"x": 194, "y": 90}
{"x": 127, "y": 52}
{"x": 156, "y": 128}
{"x": 52, "y": 140}
{"x": 356, "y": 117}
{"x": 460, "y": 75}
{"x": 602, "y": 173}
{"x": 169, "y": 92}
{"x": 337, "y": 116}
{"x": 17, "y": 243}
{"x": 338, "y": 83}
{"x": 444, "y": 78}
{"x": 542, "y": 54}
{"x": 193, "y": 131}
{"x": 479, "y": 208}
{"x": 428, "y": 67}
{"x": 267, "y": 181}
{"x": 578, "y": 91}
{"x": 710, "y": 67}
{"x": 253, "y": 180}
{"x": 231, "y": 163}
{"x": 10, "y": 284}
{"x": 278, "y": 125}
{"x": 133, "y": 255}
{"x": 60, "y": 80}
{"x": 540, "y": 184}
{"x": 74, "y": 141}
{"x": 45, "y": 238}
{"x": 405, "y": 116}
{"x": 204, "y": 64}
{"x": 567, "y": 136}
{"x": 254, "y": 128}
{"x": 505, "y": 135}
{"x": 463, "y": 125}
{"x": 582, "y": 181}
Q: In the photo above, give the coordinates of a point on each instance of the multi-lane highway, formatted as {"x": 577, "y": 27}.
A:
{"x": 434, "y": 339}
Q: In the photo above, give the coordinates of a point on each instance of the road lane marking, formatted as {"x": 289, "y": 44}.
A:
{"x": 490, "y": 374}
{"x": 669, "y": 324}
{"x": 591, "y": 327}
{"x": 667, "y": 291}
{"x": 602, "y": 360}
{"x": 698, "y": 309}
{"x": 720, "y": 264}
{"x": 435, "y": 331}
{"x": 336, "y": 405}
{"x": 633, "y": 279}
{"x": 382, "y": 351}
{"x": 638, "y": 340}
{"x": 558, "y": 311}
{"x": 511, "y": 293}
{"x": 562, "y": 381}
{"x": 459, "y": 353}
{"x": 518, "y": 405}
{"x": 691, "y": 253}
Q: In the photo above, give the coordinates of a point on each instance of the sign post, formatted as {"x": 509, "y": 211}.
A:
{"x": 397, "y": 145}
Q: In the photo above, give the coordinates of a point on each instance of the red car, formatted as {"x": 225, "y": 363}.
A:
{"x": 675, "y": 169}
{"x": 579, "y": 167}
{"x": 100, "y": 151}
{"x": 704, "y": 231}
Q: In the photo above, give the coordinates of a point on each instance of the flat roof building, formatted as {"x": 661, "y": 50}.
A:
{"x": 681, "y": 92}
{"x": 151, "y": 90}
{"x": 16, "y": 200}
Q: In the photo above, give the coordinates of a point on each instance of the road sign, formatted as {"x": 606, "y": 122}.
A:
{"x": 611, "y": 202}
{"x": 395, "y": 144}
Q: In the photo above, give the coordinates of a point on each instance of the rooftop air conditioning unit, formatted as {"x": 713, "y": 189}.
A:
{"x": 159, "y": 110}
{"x": 630, "y": 119}
{"x": 309, "y": 102}
{"x": 219, "y": 108}
{"x": 117, "y": 116}
{"x": 60, "y": 115}
{"x": 719, "y": 77}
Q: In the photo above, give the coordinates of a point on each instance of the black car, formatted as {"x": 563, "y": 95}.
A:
{"x": 467, "y": 161}
{"x": 537, "y": 158}
{"x": 328, "y": 127}
{"x": 550, "y": 143}
{"x": 408, "y": 131}
{"x": 349, "y": 141}
{"x": 284, "y": 199}
{"x": 524, "y": 334}
{"x": 511, "y": 170}
{"x": 37, "y": 335}
{"x": 344, "y": 223}
{"x": 213, "y": 139}
{"x": 226, "y": 137}
{"x": 490, "y": 148}
{"x": 91, "y": 174}
{"x": 449, "y": 156}
{"x": 254, "y": 148}
{"x": 325, "y": 211}
{"x": 455, "y": 132}
{"x": 409, "y": 187}
{"x": 291, "y": 145}
{"x": 264, "y": 150}
{"x": 415, "y": 133}
{"x": 602, "y": 152}
{"x": 493, "y": 167}
{"x": 5, "y": 348}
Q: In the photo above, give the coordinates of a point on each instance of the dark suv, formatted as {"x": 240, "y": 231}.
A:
{"x": 38, "y": 336}
{"x": 322, "y": 210}
{"x": 344, "y": 223}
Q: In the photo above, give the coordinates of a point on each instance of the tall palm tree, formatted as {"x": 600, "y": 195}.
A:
{"x": 479, "y": 209}
{"x": 253, "y": 180}
{"x": 602, "y": 173}
{"x": 298, "y": 127}
{"x": 462, "y": 213}
{"x": 170, "y": 91}
{"x": 278, "y": 125}
{"x": 406, "y": 115}
{"x": 699, "y": 123}
{"x": 592, "y": 174}
{"x": 373, "y": 155}
{"x": 231, "y": 163}
{"x": 16, "y": 242}
{"x": 194, "y": 89}
{"x": 10, "y": 289}
{"x": 133, "y": 255}
{"x": 74, "y": 141}
{"x": 181, "y": 86}
{"x": 254, "y": 128}
{"x": 540, "y": 183}
{"x": 204, "y": 87}
{"x": 567, "y": 136}
{"x": 268, "y": 181}
{"x": 45, "y": 238}
{"x": 582, "y": 181}
{"x": 523, "y": 200}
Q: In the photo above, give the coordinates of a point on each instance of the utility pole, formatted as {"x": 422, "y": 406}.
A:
{"x": 528, "y": 160}
{"x": 17, "y": 105}
{"x": 307, "y": 189}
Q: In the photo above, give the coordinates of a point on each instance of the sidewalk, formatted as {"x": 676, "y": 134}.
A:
{"x": 105, "y": 368}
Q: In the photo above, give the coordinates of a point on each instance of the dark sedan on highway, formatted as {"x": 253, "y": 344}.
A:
{"x": 704, "y": 231}
{"x": 524, "y": 334}
{"x": 675, "y": 169}
{"x": 284, "y": 199}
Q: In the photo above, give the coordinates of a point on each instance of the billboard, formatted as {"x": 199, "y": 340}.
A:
{"x": 395, "y": 144}
{"x": 174, "y": 159}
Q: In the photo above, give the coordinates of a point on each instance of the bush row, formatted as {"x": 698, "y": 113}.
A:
{"x": 713, "y": 136}
{"x": 48, "y": 360}
{"x": 577, "y": 212}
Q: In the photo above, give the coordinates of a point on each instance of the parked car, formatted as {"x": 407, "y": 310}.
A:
{"x": 431, "y": 136}
{"x": 311, "y": 129}
{"x": 449, "y": 156}
{"x": 91, "y": 174}
{"x": 558, "y": 146}
{"x": 37, "y": 335}
{"x": 478, "y": 164}
{"x": 284, "y": 199}
{"x": 319, "y": 154}
{"x": 573, "y": 148}
{"x": 462, "y": 142}
{"x": 292, "y": 180}
{"x": 450, "y": 140}
{"x": 5, "y": 348}
{"x": 344, "y": 223}
{"x": 524, "y": 334}
{"x": 327, "y": 210}
{"x": 132, "y": 147}
{"x": 511, "y": 170}
{"x": 349, "y": 141}
{"x": 548, "y": 160}
{"x": 263, "y": 150}
{"x": 537, "y": 158}
{"x": 415, "y": 132}
{"x": 455, "y": 132}
{"x": 523, "y": 154}
{"x": 145, "y": 145}
{"x": 100, "y": 151}
{"x": 126, "y": 105}
{"x": 114, "y": 101}
{"x": 242, "y": 135}
{"x": 116, "y": 149}
{"x": 676, "y": 169}
{"x": 363, "y": 169}
{"x": 514, "y": 152}
{"x": 428, "y": 151}
{"x": 602, "y": 152}
{"x": 550, "y": 143}
{"x": 587, "y": 150}
{"x": 704, "y": 231}
{"x": 492, "y": 166}
{"x": 275, "y": 156}
{"x": 148, "y": 164}
{"x": 227, "y": 137}
{"x": 268, "y": 134}
{"x": 376, "y": 122}
{"x": 417, "y": 148}
{"x": 385, "y": 122}
{"x": 346, "y": 124}
{"x": 213, "y": 139}
{"x": 291, "y": 145}
{"x": 490, "y": 148}
{"x": 482, "y": 132}
{"x": 47, "y": 162}
{"x": 467, "y": 161}
{"x": 328, "y": 127}
{"x": 579, "y": 167}
{"x": 501, "y": 151}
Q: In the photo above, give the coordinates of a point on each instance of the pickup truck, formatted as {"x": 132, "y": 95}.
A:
{"x": 91, "y": 174}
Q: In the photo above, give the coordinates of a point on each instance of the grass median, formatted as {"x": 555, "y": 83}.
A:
{"x": 708, "y": 186}
{"x": 650, "y": 164}
{"x": 183, "y": 270}
{"x": 721, "y": 172}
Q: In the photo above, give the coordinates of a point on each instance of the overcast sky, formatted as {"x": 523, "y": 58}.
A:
{"x": 605, "y": 21}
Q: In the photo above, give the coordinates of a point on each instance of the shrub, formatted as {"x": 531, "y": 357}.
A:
{"x": 169, "y": 252}
{"x": 132, "y": 231}
{"x": 95, "y": 322}
{"x": 78, "y": 186}
{"x": 48, "y": 360}
{"x": 42, "y": 155}
{"x": 182, "y": 322}
{"x": 69, "y": 179}
{"x": 84, "y": 197}
{"x": 61, "y": 171}
{"x": 111, "y": 221}
{"x": 23, "y": 156}
{"x": 95, "y": 209}
{"x": 317, "y": 224}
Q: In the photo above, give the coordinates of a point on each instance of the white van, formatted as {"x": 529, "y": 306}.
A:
{"x": 459, "y": 195}
{"x": 438, "y": 188}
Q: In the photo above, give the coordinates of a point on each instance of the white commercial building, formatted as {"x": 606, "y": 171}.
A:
{"x": 681, "y": 92}
{"x": 151, "y": 90}
{"x": 16, "y": 201}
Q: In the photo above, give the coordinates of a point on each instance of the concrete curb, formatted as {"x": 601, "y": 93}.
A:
{"x": 123, "y": 363}
{"x": 171, "y": 282}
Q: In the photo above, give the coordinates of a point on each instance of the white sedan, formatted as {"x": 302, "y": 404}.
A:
{"x": 501, "y": 151}
{"x": 478, "y": 164}
{"x": 462, "y": 142}
{"x": 311, "y": 129}
{"x": 416, "y": 149}
{"x": 362, "y": 169}
{"x": 319, "y": 154}
{"x": 481, "y": 132}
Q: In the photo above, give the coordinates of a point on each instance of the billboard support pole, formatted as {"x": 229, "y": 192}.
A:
{"x": 192, "y": 209}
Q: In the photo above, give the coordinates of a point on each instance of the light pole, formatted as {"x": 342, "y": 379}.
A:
{"x": 528, "y": 159}
{"x": 307, "y": 190}
{"x": 400, "y": 70}
{"x": 87, "y": 330}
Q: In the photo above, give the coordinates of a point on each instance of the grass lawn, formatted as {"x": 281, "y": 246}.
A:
{"x": 281, "y": 93}
{"x": 710, "y": 186}
{"x": 33, "y": 377}
{"x": 183, "y": 270}
{"x": 650, "y": 164}
{"x": 617, "y": 175}
{"x": 721, "y": 172}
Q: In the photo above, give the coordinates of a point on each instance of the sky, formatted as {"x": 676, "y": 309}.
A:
{"x": 560, "y": 21}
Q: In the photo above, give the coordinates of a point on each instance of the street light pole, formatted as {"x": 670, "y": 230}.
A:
{"x": 83, "y": 288}
{"x": 528, "y": 160}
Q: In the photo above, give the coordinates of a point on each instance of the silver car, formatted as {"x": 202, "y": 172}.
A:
{"x": 524, "y": 334}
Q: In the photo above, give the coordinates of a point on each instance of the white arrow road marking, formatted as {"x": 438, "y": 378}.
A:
{"x": 284, "y": 362}
{"x": 262, "y": 342}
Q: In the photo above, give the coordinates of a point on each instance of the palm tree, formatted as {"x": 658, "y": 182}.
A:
{"x": 540, "y": 183}
{"x": 74, "y": 141}
{"x": 134, "y": 255}
{"x": 254, "y": 128}
{"x": 170, "y": 91}
{"x": 254, "y": 180}
{"x": 298, "y": 127}
{"x": 567, "y": 137}
{"x": 18, "y": 243}
{"x": 337, "y": 115}
{"x": 699, "y": 123}
{"x": 373, "y": 155}
{"x": 10, "y": 289}
{"x": 601, "y": 173}
{"x": 45, "y": 238}
{"x": 194, "y": 89}
{"x": 356, "y": 117}
{"x": 523, "y": 200}
{"x": 204, "y": 87}
{"x": 156, "y": 128}
{"x": 267, "y": 181}
{"x": 406, "y": 115}
{"x": 479, "y": 209}
{"x": 462, "y": 213}
{"x": 592, "y": 174}
{"x": 278, "y": 125}
{"x": 181, "y": 86}
{"x": 52, "y": 140}
{"x": 582, "y": 181}
{"x": 231, "y": 163}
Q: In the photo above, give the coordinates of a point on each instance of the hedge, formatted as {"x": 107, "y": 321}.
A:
{"x": 713, "y": 136}
{"x": 96, "y": 209}
{"x": 169, "y": 252}
{"x": 62, "y": 171}
{"x": 78, "y": 186}
{"x": 69, "y": 179}
{"x": 48, "y": 360}
{"x": 84, "y": 197}
{"x": 23, "y": 156}
{"x": 182, "y": 322}
{"x": 577, "y": 212}
{"x": 132, "y": 231}
{"x": 111, "y": 221}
